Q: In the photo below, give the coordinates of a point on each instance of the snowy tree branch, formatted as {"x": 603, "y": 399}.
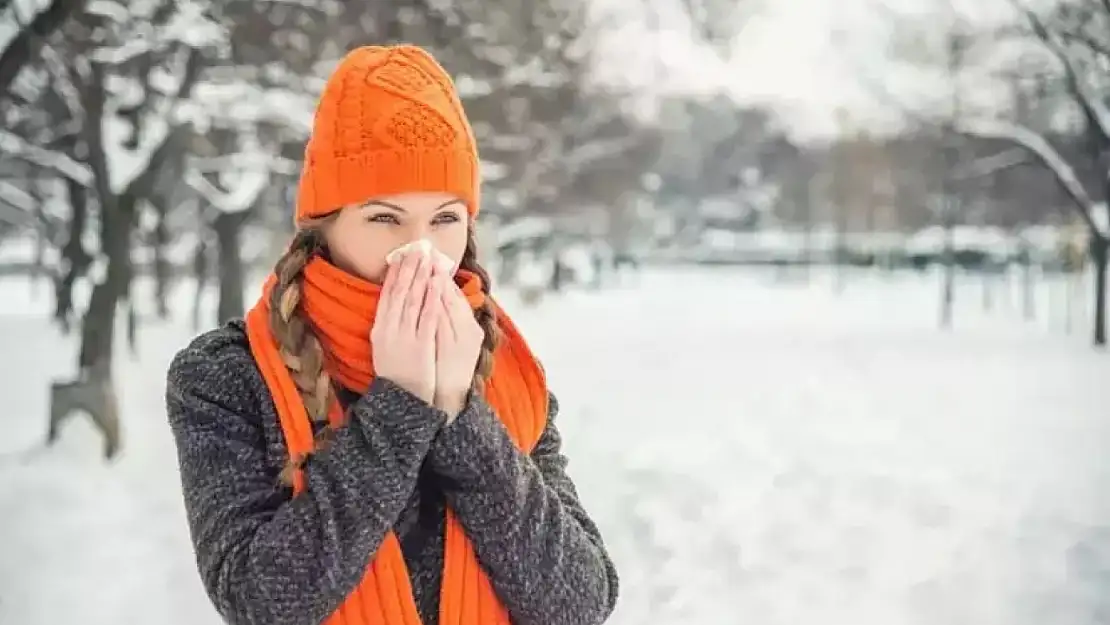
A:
{"x": 1099, "y": 48}
{"x": 1043, "y": 150}
{"x": 13, "y": 145}
{"x": 16, "y": 198}
{"x": 990, "y": 165}
{"x": 24, "y": 46}
{"x": 242, "y": 196}
{"x": 1095, "y": 110}
{"x": 126, "y": 164}
{"x": 248, "y": 160}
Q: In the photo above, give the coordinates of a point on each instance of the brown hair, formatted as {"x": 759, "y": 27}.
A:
{"x": 302, "y": 352}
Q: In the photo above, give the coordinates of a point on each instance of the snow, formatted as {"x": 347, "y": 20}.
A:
{"x": 996, "y": 241}
{"x": 752, "y": 451}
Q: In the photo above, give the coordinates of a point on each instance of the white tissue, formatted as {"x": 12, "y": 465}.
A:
{"x": 420, "y": 246}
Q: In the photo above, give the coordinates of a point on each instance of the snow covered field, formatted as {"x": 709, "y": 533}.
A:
{"x": 754, "y": 452}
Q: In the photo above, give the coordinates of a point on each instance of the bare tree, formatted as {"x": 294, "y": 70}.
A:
{"x": 1067, "y": 42}
{"x": 1075, "y": 36}
{"x": 102, "y": 112}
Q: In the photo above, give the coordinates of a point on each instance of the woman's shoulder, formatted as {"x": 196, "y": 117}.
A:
{"x": 217, "y": 364}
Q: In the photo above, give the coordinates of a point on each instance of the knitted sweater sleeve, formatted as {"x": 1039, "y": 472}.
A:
{"x": 543, "y": 553}
{"x": 265, "y": 556}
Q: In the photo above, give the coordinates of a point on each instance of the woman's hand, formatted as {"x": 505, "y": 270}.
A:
{"x": 458, "y": 342}
{"x": 405, "y": 326}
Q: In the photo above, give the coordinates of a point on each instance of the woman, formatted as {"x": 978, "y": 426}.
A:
{"x": 424, "y": 483}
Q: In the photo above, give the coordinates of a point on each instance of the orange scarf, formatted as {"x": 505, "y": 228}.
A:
{"x": 341, "y": 308}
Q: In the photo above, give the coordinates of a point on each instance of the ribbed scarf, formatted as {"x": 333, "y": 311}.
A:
{"x": 340, "y": 308}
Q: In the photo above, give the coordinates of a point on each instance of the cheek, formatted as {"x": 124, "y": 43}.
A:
{"x": 451, "y": 241}
{"x": 361, "y": 250}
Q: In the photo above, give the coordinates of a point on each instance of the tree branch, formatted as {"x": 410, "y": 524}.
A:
{"x": 1096, "y": 47}
{"x": 1096, "y": 113}
{"x": 13, "y": 145}
{"x": 1043, "y": 150}
{"x": 25, "y": 46}
{"x": 990, "y": 165}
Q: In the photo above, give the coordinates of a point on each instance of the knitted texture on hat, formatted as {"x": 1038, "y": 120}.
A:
{"x": 389, "y": 121}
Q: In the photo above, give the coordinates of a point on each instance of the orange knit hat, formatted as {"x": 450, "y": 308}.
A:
{"x": 389, "y": 121}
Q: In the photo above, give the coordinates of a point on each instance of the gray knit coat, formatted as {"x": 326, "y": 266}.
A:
{"x": 267, "y": 557}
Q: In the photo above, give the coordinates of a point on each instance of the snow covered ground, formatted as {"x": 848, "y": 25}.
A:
{"x": 755, "y": 452}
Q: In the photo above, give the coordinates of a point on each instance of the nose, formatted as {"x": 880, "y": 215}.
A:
{"x": 416, "y": 230}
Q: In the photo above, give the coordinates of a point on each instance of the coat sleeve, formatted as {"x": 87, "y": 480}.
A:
{"x": 544, "y": 555}
{"x": 265, "y": 556}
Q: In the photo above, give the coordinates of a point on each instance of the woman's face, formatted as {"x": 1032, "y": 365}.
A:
{"x": 360, "y": 236}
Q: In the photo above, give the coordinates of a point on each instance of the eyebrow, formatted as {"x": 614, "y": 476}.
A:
{"x": 402, "y": 210}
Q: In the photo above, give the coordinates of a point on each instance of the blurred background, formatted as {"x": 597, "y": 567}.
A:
{"x": 820, "y": 285}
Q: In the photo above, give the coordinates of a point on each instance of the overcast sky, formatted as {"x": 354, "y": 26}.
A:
{"x": 804, "y": 57}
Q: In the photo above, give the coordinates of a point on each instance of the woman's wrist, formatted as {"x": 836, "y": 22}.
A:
{"x": 452, "y": 402}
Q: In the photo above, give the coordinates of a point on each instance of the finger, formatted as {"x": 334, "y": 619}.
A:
{"x": 457, "y": 303}
{"x": 414, "y": 298}
{"x": 445, "y": 332}
{"x": 404, "y": 268}
{"x": 431, "y": 309}
{"x": 386, "y": 314}
{"x": 406, "y": 273}
{"x": 442, "y": 275}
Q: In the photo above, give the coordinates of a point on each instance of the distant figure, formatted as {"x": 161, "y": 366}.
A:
{"x": 376, "y": 443}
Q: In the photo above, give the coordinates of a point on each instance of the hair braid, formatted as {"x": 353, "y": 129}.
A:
{"x": 484, "y": 314}
{"x": 299, "y": 348}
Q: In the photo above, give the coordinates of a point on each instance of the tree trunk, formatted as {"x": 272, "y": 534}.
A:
{"x": 162, "y": 269}
{"x": 228, "y": 228}
{"x": 98, "y": 325}
{"x": 948, "y": 279}
{"x": 988, "y": 289}
{"x": 132, "y": 314}
{"x": 840, "y": 250}
{"x": 1028, "y": 307}
{"x": 200, "y": 278}
{"x": 1099, "y": 248}
{"x": 1069, "y": 299}
{"x": 38, "y": 269}
{"x": 76, "y": 258}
